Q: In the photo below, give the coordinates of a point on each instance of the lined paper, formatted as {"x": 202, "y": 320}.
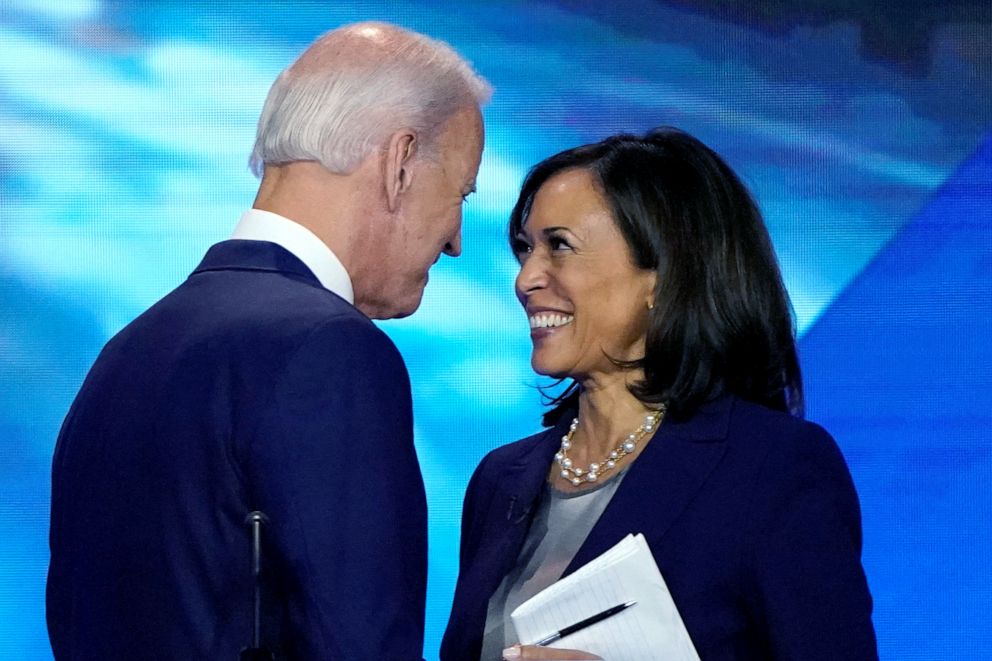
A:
{"x": 650, "y": 630}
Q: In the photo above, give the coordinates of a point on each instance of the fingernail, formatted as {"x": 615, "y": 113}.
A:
{"x": 512, "y": 652}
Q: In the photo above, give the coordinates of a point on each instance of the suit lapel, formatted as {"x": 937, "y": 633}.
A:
{"x": 662, "y": 481}
{"x": 512, "y": 506}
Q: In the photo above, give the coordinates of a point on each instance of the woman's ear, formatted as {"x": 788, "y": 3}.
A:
{"x": 397, "y": 172}
{"x": 652, "y": 282}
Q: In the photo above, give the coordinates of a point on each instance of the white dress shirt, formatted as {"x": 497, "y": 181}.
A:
{"x": 258, "y": 225}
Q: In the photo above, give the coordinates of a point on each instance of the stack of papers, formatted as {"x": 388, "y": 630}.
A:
{"x": 650, "y": 630}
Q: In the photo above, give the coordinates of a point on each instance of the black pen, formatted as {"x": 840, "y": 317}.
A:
{"x": 582, "y": 624}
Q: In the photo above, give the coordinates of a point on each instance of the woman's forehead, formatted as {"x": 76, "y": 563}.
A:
{"x": 569, "y": 201}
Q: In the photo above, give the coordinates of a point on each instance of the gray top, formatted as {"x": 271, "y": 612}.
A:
{"x": 560, "y": 526}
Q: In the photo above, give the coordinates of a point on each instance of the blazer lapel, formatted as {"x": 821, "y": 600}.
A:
{"x": 662, "y": 481}
{"x": 512, "y": 506}
{"x": 506, "y": 521}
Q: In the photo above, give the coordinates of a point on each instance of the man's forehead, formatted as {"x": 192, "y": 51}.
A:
{"x": 463, "y": 139}
{"x": 466, "y": 124}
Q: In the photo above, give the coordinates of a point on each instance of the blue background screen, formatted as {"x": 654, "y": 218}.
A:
{"x": 862, "y": 129}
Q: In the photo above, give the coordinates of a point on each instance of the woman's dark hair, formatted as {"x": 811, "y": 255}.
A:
{"x": 722, "y": 321}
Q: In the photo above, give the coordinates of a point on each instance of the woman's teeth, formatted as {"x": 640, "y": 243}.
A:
{"x": 549, "y": 320}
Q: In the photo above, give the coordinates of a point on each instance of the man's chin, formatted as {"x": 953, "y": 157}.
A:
{"x": 401, "y": 309}
{"x": 398, "y": 305}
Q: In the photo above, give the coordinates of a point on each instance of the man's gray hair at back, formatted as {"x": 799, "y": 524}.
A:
{"x": 353, "y": 87}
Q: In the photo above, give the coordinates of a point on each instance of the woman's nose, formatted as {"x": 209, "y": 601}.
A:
{"x": 532, "y": 277}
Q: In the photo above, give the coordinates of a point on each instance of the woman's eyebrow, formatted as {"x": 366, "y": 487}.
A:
{"x": 549, "y": 231}
{"x": 524, "y": 235}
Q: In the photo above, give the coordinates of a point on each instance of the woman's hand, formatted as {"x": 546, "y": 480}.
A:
{"x": 523, "y": 652}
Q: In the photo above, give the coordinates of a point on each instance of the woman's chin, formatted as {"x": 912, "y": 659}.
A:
{"x": 548, "y": 368}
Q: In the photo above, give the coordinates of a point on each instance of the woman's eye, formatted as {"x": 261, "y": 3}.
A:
{"x": 558, "y": 243}
{"x": 520, "y": 247}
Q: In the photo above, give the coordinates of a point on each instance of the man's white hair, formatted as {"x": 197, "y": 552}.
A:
{"x": 353, "y": 87}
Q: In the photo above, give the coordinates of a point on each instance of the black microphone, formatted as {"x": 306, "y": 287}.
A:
{"x": 256, "y": 652}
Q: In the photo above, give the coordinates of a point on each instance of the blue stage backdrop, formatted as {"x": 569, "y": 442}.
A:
{"x": 125, "y": 129}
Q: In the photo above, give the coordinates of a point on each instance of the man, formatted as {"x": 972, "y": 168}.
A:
{"x": 261, "y": 384}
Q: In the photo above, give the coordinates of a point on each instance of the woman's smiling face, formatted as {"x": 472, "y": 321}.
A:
{"x": 586, "y": 300}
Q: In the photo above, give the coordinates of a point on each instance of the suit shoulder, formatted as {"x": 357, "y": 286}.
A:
{"x": 349, "y": 343}
{"x": 776, "y": 427}
{"x": 782, "y": 447}
{"x": 348, "y": 320}
{"x": 310, "y": 306}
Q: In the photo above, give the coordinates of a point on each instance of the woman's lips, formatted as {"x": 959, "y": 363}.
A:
{"x": 547, "y": 322}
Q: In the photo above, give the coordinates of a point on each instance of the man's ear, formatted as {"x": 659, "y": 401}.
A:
{"x": 397, "y": 173}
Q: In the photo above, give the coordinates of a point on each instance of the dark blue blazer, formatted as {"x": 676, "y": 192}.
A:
{"x": 750, "y": 514}
{"x": 249, "y": 387}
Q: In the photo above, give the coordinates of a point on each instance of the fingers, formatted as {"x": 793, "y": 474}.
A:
{"x": 525, "y": 652}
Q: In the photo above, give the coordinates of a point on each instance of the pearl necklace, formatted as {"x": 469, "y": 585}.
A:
{"x": 592, "y": 473}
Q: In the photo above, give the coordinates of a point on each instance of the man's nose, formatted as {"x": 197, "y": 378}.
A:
{"x": 453, "y": 248}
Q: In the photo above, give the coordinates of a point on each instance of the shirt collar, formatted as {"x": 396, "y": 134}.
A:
{"x": 258, "y": 225}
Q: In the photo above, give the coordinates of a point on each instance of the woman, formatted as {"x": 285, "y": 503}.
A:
{"x": 651, "y": 284}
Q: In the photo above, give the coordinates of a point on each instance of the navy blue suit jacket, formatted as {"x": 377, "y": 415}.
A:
{"x": 249, "y": 387}
{"x": 750, "y": 514}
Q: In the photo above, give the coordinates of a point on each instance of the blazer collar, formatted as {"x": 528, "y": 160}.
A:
{"x": 241, "y": 255}
{"x": 677, "y": 461}
{"x": 524, "y": 477}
